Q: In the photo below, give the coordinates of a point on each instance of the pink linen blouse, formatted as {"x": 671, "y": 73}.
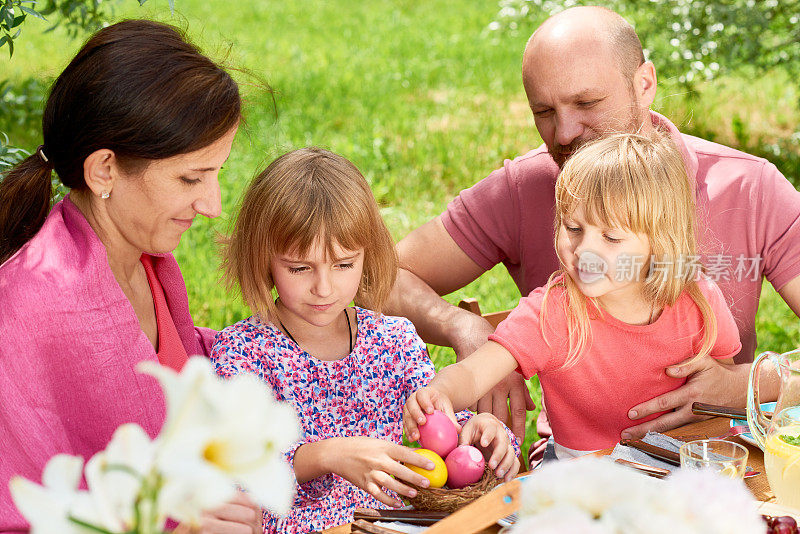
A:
{"x": 69, "y": 345}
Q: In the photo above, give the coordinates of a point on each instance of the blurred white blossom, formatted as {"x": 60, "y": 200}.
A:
{"x": 597, "y": 496}
{"x": 219, "y": 431}
{"x": 219, "y": 435}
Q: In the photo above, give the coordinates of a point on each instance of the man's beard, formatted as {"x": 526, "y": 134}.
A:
{"x": 561, "y": 153}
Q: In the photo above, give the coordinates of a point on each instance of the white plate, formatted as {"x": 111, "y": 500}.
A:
{"x": 509, "y": 520}
{"x": 747, "y": 436}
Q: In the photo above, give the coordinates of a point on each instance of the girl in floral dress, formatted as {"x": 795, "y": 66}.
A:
{"x": 310, "y": 229}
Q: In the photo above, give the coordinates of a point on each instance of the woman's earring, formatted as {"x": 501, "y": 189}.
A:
{"x": 105, "y": 194}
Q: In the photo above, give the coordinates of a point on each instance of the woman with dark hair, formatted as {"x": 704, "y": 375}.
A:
{"x": 137, "y": 126}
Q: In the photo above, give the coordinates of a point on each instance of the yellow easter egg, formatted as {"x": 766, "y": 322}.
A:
{"x": 437, "y": 475}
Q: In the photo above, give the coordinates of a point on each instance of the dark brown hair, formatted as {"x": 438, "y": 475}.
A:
{"x": 138, "y": 88}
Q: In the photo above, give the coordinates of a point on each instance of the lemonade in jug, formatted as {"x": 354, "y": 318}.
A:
{"x": 779, "y": 437}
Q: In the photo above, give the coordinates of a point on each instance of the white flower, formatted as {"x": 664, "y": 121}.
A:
{"x": 559, "y": 519}
{"x": 723, "y": 505}
{"x": 591, "y": 484}
{"x": 592, "y": 495}
{"x": 116, "y": 475}
{"x": 220, "y": 432}
{"x": 47, "y": 507}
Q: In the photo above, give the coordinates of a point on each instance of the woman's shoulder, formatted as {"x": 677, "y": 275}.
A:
{"x": 63, "y": 261}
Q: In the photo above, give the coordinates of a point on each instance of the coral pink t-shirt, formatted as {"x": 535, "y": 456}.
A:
{"x": 588, "y": 403}
{"x": 748, "y": 212}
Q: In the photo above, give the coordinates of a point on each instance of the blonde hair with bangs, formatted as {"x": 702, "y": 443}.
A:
{"x": 302, "y": 196}
{"x": 636, "y": 182}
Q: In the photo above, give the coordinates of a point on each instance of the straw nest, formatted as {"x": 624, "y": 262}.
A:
{"x": 450, "y": 500}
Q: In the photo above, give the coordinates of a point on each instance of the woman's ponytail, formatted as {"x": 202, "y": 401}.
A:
{"x": 24, "y": 202}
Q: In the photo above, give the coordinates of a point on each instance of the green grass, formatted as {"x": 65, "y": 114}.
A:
{"x": 417, "y": 94}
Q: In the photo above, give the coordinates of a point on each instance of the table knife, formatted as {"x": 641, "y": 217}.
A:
{"x": 666, "y": 455}
{"x": 699, "y": 408}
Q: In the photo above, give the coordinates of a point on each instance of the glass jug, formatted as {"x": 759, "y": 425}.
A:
{"x": 779, "y": 436}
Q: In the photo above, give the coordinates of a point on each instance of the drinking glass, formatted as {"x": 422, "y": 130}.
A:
{"x": 723, "y": 457}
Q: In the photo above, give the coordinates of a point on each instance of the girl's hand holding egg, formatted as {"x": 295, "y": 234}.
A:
{"x": 420, "y": 405}
{"x": 487, "y": 433}
{"x": 374, "y": 464}
{"x": 438, "y": 475}
{"x": 464, "y": 464}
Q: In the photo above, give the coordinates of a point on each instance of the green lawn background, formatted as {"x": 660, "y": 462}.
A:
{"x": 418, "y": 94}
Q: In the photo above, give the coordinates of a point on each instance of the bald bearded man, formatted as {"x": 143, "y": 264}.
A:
{"x": 584, "y": 74}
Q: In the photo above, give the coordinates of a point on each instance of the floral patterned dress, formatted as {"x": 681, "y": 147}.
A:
{"x": 361, "y": 394}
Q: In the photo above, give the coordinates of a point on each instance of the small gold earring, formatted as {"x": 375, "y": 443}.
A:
{"x": 105, "y": 194}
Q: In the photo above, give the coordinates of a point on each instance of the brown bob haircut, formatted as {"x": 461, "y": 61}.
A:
{"x": 302, "y": 196}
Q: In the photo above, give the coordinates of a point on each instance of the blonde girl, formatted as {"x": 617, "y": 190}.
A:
{"x": 628, "y": 301}
{"x": 309, "y": 232}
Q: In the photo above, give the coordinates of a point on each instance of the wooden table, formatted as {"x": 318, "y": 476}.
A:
{"x": 715, "y": 426}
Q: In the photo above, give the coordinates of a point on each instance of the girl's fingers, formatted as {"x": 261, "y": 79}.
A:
{"x": 467, "y": 434}
{"x": 387, "y": 482}
{"x": 406, "y": 455}
{"x": 376, "y": 491}
{"x": 499, "y": 448}
{"x": 404, "y": 473}
{"x": 415, "y": 410}
{"x": 426, "y": 400}
{"x": 410, "y": 423}
{"x": 515, "y": 465}
{"x": 488, "y": 435}
{"x": 507, "y": 464}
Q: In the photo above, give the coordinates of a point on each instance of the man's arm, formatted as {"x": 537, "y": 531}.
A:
{"x": 707, "y": 381}
{"x": 432, "y": 264}
{"x": 791, "y": 294}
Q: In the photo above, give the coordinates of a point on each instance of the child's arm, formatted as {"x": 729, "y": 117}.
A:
{"x": 368, "y": 463}
{"x": 458, "y": 386}
{"x": 498, "y": 444}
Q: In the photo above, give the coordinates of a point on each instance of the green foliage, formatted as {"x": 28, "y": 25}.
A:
{"x": 10, "y": 155}
{"x": 691, "y": 40}
{"x": 77, "y": 16}
{"x": 21, "y": 107}
{"x": 12, "y": 14}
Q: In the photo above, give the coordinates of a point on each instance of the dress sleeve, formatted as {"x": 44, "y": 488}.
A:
{"x": 315, "y": 488}
{"x": 232, "y": 355}
{"x": 727, "y": 344}
{"x": 420, "y": 371}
